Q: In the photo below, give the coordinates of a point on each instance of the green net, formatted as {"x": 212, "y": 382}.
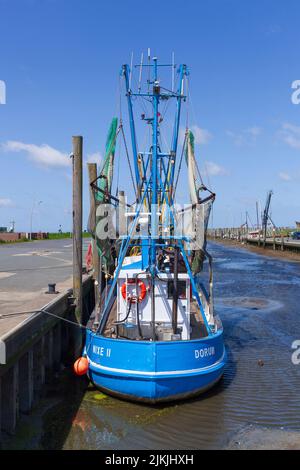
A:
{"x": 105, "y": 246}
{"x": 107, "y": 169}
{"x": 191, "y": 139}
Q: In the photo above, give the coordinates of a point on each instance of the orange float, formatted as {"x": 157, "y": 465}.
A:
{"x": 134, "y": 298}
{"x": 81, "y": 366}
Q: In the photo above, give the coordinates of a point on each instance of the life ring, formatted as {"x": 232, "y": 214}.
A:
{"x": 134, "y": 298}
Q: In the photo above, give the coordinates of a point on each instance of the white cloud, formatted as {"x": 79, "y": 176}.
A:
{"x": 202, "y": 136}
{"x": 237, "y": 138}
{"x": 2, "y": 92}
{"x": 254, "y": 131}
{"x": 245, "y": 137}
{"x": 213, "y": 169}
{"x": 5, "y": 202}
{"x": 94, "y": 158}
{"x": 42, "y": 154}
{"x": 291, "y": 135}
{"x": 284, "y": 176}
{"x": 273, "y": 29}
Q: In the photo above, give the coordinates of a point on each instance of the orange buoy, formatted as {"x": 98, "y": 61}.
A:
{"x": 81, "y": 366}
{"x": 133, "y": 299}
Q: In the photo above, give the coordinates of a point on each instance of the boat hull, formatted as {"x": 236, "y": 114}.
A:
{"x": 155, "y": 372}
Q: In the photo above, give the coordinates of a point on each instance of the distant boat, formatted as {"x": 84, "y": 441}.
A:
{"x": 254, "y": 234}
{"x": 158, "y": 338}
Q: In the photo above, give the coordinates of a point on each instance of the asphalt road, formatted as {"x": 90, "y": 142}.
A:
{"x": 26, "y": 269}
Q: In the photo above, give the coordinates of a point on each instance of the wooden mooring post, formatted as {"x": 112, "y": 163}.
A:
{"x": 77, "y": 226}
{"x": 92, "y": 171}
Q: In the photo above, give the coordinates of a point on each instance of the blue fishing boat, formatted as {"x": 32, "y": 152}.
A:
{"x": 155, "y": 337}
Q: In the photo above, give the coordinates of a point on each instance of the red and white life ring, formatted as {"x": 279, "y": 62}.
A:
{"x": 134, "y": 298}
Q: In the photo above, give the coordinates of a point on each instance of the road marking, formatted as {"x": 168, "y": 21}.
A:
{"x": 44, "y": 254}
{"x": 39, "y": 253}
{"x": 54, "y": 257}
{"x": 24, "y": 254}
{"x": 5, "y": 275}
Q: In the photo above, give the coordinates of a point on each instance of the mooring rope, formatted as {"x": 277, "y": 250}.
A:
{"x": 79, "y": 325}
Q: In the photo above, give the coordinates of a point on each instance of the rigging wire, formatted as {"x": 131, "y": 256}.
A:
{"x": 113, "y": 144}
{"x": 162, "y": 136}
{"x": 117, "y": 97}
{"x": 149, "y": 58}
{"x": 120, "y": 98}
{"x": 140, "y": 99}
{"x": 118, "y": 167}
{"x": 172, "y": 126}
{"x": 187, "y": 101}
{"x": 128, "y": 158}
{"x": 124, "y": 138}
{"x": 207, "y": 176}
{"x": 190, "y": 102}
{"x": 180, "y": 163}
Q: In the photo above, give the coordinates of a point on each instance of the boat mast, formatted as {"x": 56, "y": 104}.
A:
{"x": 126, "y": 72}
{"x": 182, "y": 73}
{"x": 154, "y": 208}
{"x": 165, "y": 188}
{"x": 158, "y": 185}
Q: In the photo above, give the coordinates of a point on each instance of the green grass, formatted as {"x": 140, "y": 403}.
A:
{"x": 58, "y": 236}
{"x": 21, "y": 240}
{"x": 51, "y": 236}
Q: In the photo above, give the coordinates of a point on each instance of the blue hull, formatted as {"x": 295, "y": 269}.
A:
{"x": 154, "y": 372}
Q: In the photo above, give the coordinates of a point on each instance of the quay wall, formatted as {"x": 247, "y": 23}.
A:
{"x": 32, "y": 352}
{"x": 273, "y": 242}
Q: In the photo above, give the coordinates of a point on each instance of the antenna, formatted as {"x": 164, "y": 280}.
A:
{"x": 181, "y": 91}
{"x": 140, "y": 75}
{"x": 173, "y": 70}
{"x": 12, "y": 228}
{"x": 130, "y": 75}
{"x": 149, "y": 59}
{"x": 257, "y": 217}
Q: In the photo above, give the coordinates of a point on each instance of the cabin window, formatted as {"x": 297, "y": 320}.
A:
{"x": 181, "y": 289}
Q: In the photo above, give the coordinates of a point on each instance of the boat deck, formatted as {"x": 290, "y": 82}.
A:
{"x": 197, "y": 324}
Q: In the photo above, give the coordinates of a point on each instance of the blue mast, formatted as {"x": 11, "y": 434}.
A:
{"x": 156, "y": 156}
{"x": 182, "y": 73}
{"x": 156, "y": 92}
{"x": 125, "y": 71}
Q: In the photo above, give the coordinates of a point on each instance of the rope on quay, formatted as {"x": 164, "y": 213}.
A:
{"x": 7, "y": 315}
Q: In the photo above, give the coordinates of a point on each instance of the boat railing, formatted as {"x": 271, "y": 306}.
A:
{"x": 205, "y": 299}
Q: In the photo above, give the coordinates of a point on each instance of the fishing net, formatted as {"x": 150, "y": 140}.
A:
{"x": 193, "y": 220}
{"x": 104, "y": 182}
{"x": 192, "y": 223}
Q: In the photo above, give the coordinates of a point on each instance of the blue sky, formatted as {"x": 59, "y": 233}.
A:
{"x": 60, "y": 60}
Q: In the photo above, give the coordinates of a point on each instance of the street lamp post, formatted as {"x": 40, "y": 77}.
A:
{"x": 31, "y": 216}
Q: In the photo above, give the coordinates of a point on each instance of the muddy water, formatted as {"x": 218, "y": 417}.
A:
{"x": 258, "y": 300}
